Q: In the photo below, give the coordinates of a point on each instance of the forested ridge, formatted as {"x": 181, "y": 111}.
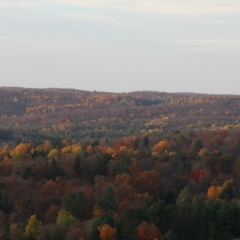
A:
{"x": 29, "y": 114}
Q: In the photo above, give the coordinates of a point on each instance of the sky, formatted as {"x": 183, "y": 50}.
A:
{"x": 121, "y": 45}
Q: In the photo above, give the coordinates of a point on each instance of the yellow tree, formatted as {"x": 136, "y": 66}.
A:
{"x": 21, "y": 149}
{"x": 203, "y": 152}
{"x": 76, "y": 148}
{"x": 123, "y": 149}
{"x": 66, "y": 150}
{"x": 4, "y": 152}
{"x": 65, "y": 219}
{"x": 161, "y": 147}
{"x": 214, "y": 192}
{"x": 53, "y": 153}
{"x": 33, "y": 227}
{"x": 110, "y": 151}
{"x": 47, "y": 147}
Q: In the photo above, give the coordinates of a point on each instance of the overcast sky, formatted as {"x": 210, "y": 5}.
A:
{"x": 121, "y": 45}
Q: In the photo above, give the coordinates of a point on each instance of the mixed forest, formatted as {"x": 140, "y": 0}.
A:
{"x": 80, "y": 165}
{"x": 29, "y": 114}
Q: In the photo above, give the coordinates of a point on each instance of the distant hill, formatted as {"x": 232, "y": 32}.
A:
{"x": 30, "y": 114}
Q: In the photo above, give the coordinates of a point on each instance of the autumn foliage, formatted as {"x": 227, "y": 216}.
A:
{"x": 164, "y": 187}
{"x": 148, "y": 232}
{"x": 107, "y": 232}
{"x": 27, "y": 114}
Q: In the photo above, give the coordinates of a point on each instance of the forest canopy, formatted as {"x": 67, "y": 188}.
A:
{"x": 29, "y": 114}
{"x": 80, "y": 165}
{"x": 132, "y": 188}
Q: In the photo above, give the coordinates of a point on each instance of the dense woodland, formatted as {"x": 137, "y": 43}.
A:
{"x": 179, "y": 186}
{"x": 80, "y": 165}
{"x": 29, "y": 114}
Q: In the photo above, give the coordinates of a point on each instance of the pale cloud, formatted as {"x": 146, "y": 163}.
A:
{"x": 185, "y": 7}
{"x": 169, "y": 6}
{"x": 120, "y": 22}
{"x": 188, "y": 7}
{"x": 86, "y": 16}
{"x": 10, "y": 3}
{"x": 31, "y": 42}
{"x": 213, "y": 45}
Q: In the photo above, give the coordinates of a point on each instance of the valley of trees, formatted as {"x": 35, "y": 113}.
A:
{"x": 79, "y": 165}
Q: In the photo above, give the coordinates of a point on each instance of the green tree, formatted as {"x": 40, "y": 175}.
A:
{"x": 56, "y": 170}
{"x": 65, "y": 219}
{"x": 227, "y": 193}
{"x": 227, "y": 217}
{"x": 122, "y": 166}
{"x": 182, "y": 228}
{"x": 212, "y": 231}
{"x": 199, "y": 220}
{"x": 105, "y": 218}
{"x": 77, "y": 167}
{"x": 57, "y": 143}
{"x": 130, "y": 220}
{"x": 184, "y": 198}
{"x": 57, "y": 235}
{"x": 74, "y": 203}
{"x": 224, "y": 235}
{"x": 198, "y": 145}
{"x": 180, "y": 138}
{"x": 27, "y": 173}
{"x": 145, "y": 141}
{"x": 107, "y": 200}
{"x": 169, "y": 235}
{"x": 158, "y": 215}
{"x": 101, "y": 167}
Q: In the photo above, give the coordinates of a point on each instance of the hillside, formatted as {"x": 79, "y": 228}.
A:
{"x": 103, "y": 166}
{"x": 29, "y": 114}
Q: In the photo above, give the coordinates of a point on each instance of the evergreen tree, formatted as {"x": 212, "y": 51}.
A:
{"x": 227, "y": 193}
{"x": 227, "y": 217}
{"x": 184, "y": 198}
{"x": 145, "y": 141}
{"x": 169, "y": 235}
{"x": 107, "y": 201}
{"x": 77, "y": 167}
{"x": 198, "y": 145}
{"x": 56, "y": 170}
{"x": 57, "y": 235}
{"x": 101, "y": 167}
{"x": 199, "y": 220}
{"x": 158, "y": 215}
{"x": 105, "y": 218}
{"x": 122, "y": 166}
{"x": 130, "y": 220}
{"x": 27, "y": 173}
{"x": 75, "y": 204}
